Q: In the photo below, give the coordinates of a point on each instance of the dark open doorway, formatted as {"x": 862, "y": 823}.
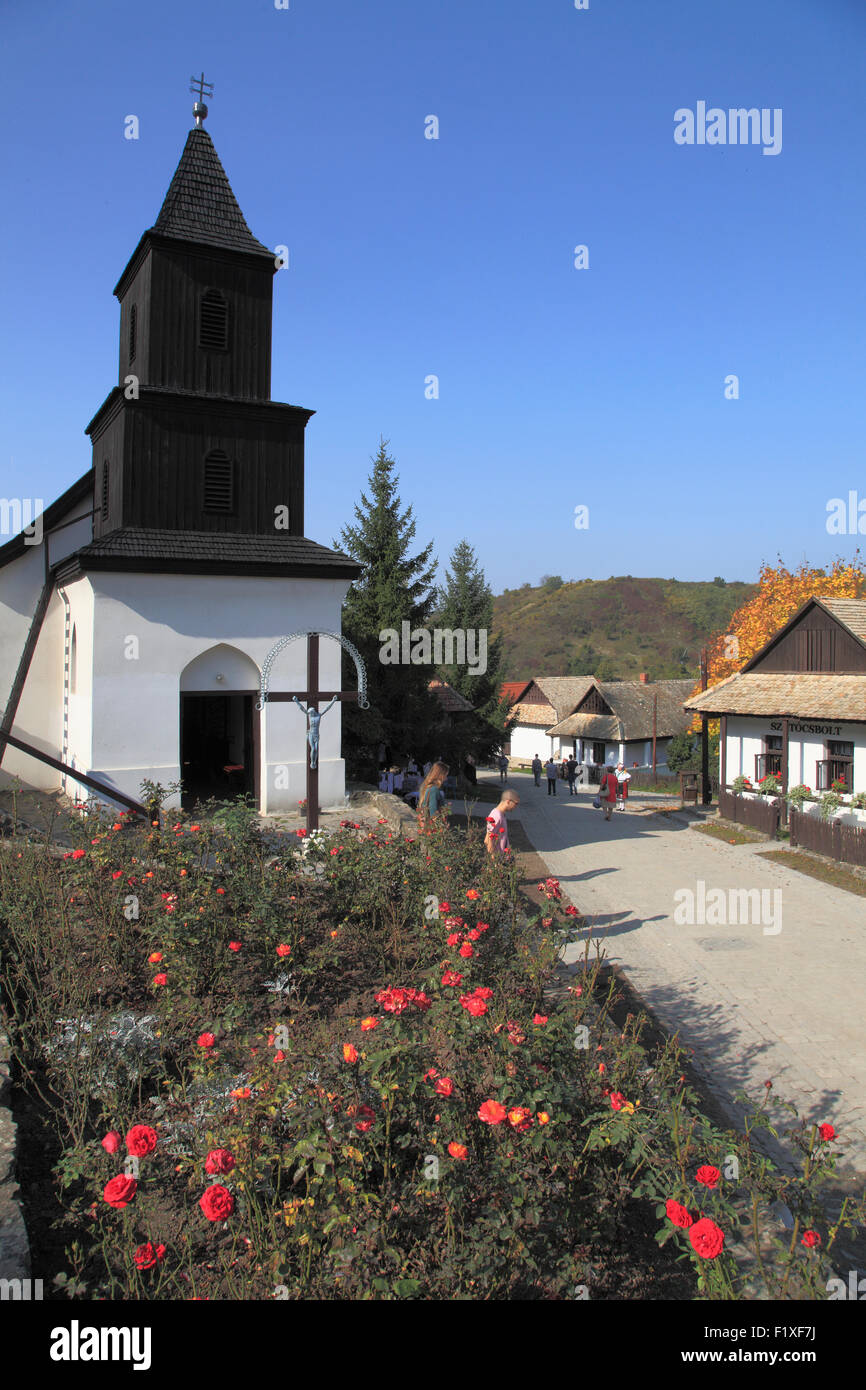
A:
{"x": 217, "y": 746}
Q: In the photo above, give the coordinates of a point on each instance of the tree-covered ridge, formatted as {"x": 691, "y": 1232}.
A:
{"x": 612, "y": 628}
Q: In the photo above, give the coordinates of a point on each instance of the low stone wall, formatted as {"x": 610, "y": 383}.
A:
{"x": 14, "y": 1245}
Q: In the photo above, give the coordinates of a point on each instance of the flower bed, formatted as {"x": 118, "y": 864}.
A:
{"x": 337, "y": 1072}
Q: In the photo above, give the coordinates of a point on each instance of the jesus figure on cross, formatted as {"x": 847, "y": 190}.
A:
{"x": 314, "y": 717}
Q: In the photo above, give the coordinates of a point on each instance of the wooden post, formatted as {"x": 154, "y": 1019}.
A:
{"x": 706, "y": 790}
{"x": 655, "y": 722}
{"x": 784, "y": 806}
{"x": 313, "y": 772}
{"x": 723, "y": 755}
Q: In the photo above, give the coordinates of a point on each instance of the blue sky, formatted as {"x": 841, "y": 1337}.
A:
{"x": 411, "y": 257}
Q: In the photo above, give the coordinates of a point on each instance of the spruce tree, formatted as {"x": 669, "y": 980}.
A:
{"x": 394, "y": 587}
{"x": 466, "y": 604}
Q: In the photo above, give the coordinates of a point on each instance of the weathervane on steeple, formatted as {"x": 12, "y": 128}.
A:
{"x": 204, "y": 89}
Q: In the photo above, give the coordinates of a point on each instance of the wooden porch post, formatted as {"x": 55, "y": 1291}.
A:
{"x": 723, "y": 753}
{"x": 785, "y": 770}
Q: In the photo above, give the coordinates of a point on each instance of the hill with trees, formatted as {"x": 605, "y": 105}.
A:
{"x": 612, "y": 628}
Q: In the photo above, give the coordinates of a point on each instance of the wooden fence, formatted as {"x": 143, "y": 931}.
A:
{"x": 844, "y": 842}
{"x": 759, "y": 812}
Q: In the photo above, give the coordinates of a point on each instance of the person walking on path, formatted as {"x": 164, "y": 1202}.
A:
{"x": 622, "y": 780}
{"x": 550, "y": 769}
{"x": 503, "y": 768}
{"x": 496, "y": 839}
{"x": 571, "y": 773}
{"x": 607, "y": 791}
{"x": 431, "y": 797}
{"x": 536, "y": 770}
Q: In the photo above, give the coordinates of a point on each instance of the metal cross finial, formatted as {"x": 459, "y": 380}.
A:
{"x": 204, "y": 88}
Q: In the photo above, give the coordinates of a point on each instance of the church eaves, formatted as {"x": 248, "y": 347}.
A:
{"x": 200, "y": 205}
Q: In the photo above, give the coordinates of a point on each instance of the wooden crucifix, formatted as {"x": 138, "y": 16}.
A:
{"x": 312, "y": 695}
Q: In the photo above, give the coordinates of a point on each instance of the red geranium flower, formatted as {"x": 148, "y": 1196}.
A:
{"x": 146, "y": 1256}
{"x": 677, "y": 1214}
{"x": 217, "y": 1203}
{"x": 708, "y": 1175}
{"x": 141, "y": 1140}
{"x": 492, "y": 1113}
{"x": 219, "y": 1161}
{"x": 120, "y": 1191}
{"x": 706, "y": 1238}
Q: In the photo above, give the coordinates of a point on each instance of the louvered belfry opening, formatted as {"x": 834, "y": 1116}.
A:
{"x": 213, "y": 329}
{"x": 132, "y": 329}
{"x": 218, "y": 483}
{"x": 105, "y": 496}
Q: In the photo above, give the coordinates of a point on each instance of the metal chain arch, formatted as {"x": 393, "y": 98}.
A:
{"x": 267, "y": 665}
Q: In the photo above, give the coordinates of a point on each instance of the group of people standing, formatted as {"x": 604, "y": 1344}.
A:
{"x": 613, "y": 790}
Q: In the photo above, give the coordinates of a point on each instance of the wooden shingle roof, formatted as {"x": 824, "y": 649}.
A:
{"x": 451, "y": 700}
{"x": 209, "y": 552}
{"x": 803, "y": 695}
{"x": 632, "y": 705}
{"x": 200, "y": 205}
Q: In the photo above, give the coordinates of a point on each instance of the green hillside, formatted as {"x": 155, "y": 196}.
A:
{"x": 612, "y": 628}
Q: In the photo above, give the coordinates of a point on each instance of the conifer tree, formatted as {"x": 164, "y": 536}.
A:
{"x": 466, "y": 605}
{"x": 394, "y": 587}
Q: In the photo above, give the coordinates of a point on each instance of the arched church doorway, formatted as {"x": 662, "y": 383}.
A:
{"x": 219, "y": 744}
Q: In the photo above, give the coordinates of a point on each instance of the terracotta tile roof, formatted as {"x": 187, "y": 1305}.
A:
{"x": 450, "y": 699}
{"x": 512, "y": 690}
{"x": 805, "y": 695}
{"x": 200, "y": 205}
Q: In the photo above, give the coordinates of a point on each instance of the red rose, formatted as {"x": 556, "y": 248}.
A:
{"x": 708, "y": 1176}
{"x": 160, "y": 979}
{"x": 458, "y": 1150}
{"x": 219, "y": 1161}
{"x": 677, "y": 1214}
{"x": 706, "y": 1238}
{"x": 472, "y": 893}
{"x": 617, "y": 1100}
{"x": 367, "y": 1120}
{"x": 810, "y": 1238}
{"x": 206, "y": 1040}
{"x": 444, "y": 1086}
{"x": 482, "y": 992}
{"x": 367, "y": 1024}
{"x": 350, "y": 1053}
{"x": 451, "y": 978}
{"x": 234, "y": 945}
{"x": 217, "y": 1203}
{"x": 146, "y": 1256}
{"x": 141, "y": 1140}
{"x": 444, "y": 907}
{"x": 492, "y": 1113}
{"x": 120, "y": 1191}
{"x": 520, "y": 1118}
{"x": 284, "y": 950}
{"x": 473, "y": 1005}
{"x": 466, "y": 950}
{"x": 540, "y": 1020}
{"x": 453, "y": 938}
{"x": 827, "y": 1132}
{"x": 111, "y": 1142}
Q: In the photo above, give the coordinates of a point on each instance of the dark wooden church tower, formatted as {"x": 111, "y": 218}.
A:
{"x": 189, "y": 450}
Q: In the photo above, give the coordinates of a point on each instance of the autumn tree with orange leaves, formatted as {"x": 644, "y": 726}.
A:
{"x": 780, "y": 593}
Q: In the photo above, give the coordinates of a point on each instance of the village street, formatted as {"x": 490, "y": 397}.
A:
{"x": 783, "y": 1005}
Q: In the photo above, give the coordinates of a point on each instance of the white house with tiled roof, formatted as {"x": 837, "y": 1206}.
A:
{"x": 797, "y": 709}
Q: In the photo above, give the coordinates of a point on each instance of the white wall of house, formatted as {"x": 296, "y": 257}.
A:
{"x": 806, "y": 747}
{"x": 529, "y": 739}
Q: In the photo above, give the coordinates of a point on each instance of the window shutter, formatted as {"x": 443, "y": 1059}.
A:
{"x": 218, "y": 482}
{"x": 213, "y": 329}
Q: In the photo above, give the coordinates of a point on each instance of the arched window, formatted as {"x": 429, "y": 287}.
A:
{"x": 73, "y": 662}
{"x": 219, "y": 482}
{"x": 213, "y": 327}
{"x": 105, "y": 498}
{"x": 132, "y": 329}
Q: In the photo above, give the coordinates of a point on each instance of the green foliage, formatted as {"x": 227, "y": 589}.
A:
{"x": 466, "y": 604}
{"x": 394, "y": 586}
{"x": 682, "y": 750}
